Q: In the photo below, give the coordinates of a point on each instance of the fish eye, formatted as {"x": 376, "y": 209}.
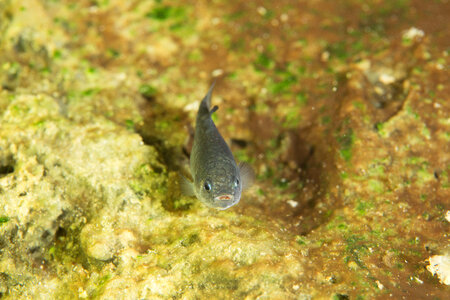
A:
{"x": 207, "y": 186}
{"x": 236, "y": 182}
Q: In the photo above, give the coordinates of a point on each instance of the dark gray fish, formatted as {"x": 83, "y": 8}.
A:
{"x": 218, "y": 180}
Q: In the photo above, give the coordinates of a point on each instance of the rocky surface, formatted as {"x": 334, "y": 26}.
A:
{"x": 343, "y": 110}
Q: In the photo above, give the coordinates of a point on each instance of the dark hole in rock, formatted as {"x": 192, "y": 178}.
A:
{"x": 62, "y": 216}
{"x": 45, "y": 234}
{"x": 33, "y": 249}
{"x": 8, "y": 87}
{"x": 299, "y": 174}
{"x": 60, "y": 233}
{"x": 239, "y": 142}
{"x": 5, "y": 170}
{"x": 186, "y": 152}
{"x": 436, "y": 174}
{"x": 158, "y": 117}
{"x": 6, "y": 165}
{"x": 21, "y": 44}
{"x": 13, "y": 233}
{"x": 157, "y": 170}
{"x": 167, "y": 154}
{"x": 384, "y": 94}
{"x": 148, "y": 92}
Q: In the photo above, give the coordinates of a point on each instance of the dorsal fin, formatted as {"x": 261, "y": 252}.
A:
{"x": 215, "y": 108}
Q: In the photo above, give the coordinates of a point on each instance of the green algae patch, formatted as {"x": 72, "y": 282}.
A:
{"x": 376, "y": 186}
{"x": 345, "y": 142}
{"x": 4, "y": 219}
{"x": 346, "y": 128}
{"x": 301, "y": 240}
{"x": 219, "y": 280}
{"x": 149, "y": 179}
{"x": 147, "y": 91}
{"x": 174, "y": 200}
{"x": 264, "y": 61}
{"x": 100, "y": 285}
{"x": 363, "y": 207}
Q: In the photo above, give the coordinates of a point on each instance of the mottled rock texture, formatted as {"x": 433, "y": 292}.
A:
{"x": 342, "y": 109}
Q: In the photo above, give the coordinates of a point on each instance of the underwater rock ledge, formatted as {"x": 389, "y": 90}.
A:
{"x": 342, "y": 110}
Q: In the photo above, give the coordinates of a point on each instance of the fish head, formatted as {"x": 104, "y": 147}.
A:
{"x": 220, "y": 188}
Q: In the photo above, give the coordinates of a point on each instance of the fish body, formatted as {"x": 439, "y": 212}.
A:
{"x": 217, "y": 180}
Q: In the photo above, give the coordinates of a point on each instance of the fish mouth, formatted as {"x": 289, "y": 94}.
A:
{"x": 226, "y": 197}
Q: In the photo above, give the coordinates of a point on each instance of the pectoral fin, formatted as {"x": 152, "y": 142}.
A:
{"x": 186, "y": 187}
{"x": 247, "y": 175}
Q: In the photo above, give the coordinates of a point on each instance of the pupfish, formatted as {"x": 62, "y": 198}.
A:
{"x": 217, "y": 180}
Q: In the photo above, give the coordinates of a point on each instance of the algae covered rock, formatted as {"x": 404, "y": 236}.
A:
{"x": 344, "y": 118}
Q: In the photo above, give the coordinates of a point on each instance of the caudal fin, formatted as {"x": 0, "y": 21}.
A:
{"x": 205, "y": 105}
{"x": 207, "y": 98}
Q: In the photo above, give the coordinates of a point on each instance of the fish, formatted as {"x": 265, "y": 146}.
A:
{"x": 218, "y": 180}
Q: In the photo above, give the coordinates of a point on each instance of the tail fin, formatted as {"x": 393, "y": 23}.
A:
{"x": 207, "y": 98}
